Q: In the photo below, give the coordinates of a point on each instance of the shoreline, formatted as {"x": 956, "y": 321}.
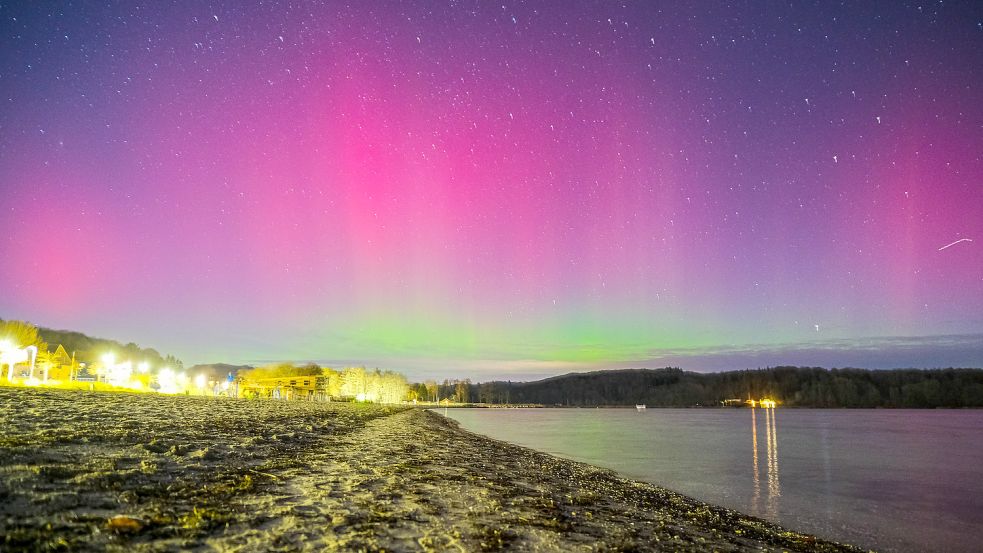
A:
{"x": 435, "y": 406}
{"x": 240, "y": 475}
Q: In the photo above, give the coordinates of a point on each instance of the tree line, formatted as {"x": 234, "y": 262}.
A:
{"x": 790, "y": 386}
{"x": 356, "y": 383}
{"x": 85, "y": 349}
{"x": 668, "y": 387}
{"x": 457, "y": 391}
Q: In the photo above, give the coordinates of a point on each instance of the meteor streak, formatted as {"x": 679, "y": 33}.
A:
{"x": 956, "y": 242}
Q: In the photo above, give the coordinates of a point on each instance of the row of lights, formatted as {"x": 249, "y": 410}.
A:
{"x": 168, "y": 381}
{"x": 763, "y": 403}
{"x": 116, "y": 374}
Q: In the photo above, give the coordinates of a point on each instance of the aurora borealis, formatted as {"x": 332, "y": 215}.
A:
{"x": 498, "y": 189}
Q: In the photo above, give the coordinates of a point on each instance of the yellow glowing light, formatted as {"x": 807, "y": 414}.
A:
{"x": 768, "y": 403}
{"x": 143, "y": 367}
{"x": 7, "y": 345}
{"x": 167, "y": 381}
{"x": 109, "y": 359}
{"x": 119, "y": 375}
{"x": 32, "y": 382}
{"x": 200, "y": 381}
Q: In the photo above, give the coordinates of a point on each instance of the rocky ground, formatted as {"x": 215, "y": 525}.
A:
{"x": 102, "y": 471}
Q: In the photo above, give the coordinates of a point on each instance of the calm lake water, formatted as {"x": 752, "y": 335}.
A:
{"x": 892, "y": 480}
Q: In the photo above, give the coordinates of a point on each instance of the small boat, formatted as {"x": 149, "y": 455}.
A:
{"x": 640, "y": 407}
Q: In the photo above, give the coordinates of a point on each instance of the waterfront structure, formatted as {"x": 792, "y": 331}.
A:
{"x": 306, "y": 387}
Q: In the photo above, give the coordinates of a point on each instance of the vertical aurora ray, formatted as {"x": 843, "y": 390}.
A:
{"x": 398, "y": 184}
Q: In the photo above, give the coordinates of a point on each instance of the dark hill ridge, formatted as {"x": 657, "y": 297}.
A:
{"x": 88, "y": 349}
{"x": 791, "y": 386}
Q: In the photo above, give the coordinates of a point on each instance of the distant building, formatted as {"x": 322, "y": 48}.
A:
{"x": 61, "y": 366}
{"x": 309, "y": 387}
{"x": 764, "y": 403}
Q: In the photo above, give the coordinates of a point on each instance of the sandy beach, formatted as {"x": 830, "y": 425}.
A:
{"x": 89, "y": 471}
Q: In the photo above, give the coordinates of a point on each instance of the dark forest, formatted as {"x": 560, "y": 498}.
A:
{"x": 790, "y": 386}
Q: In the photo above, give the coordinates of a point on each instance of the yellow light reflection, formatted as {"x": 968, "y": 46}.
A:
{"x": 774, "y": 487}
{"x": 771, "y": 458}
{"x": 754, "y": 461}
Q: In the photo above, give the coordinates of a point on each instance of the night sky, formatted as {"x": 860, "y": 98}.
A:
{"x": 498, "y": 189}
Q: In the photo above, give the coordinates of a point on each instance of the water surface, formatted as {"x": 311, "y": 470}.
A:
{"x": 893, "y": 480}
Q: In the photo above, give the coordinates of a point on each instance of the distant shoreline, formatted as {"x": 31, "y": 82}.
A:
{"x": 811, "y": 387}
{"x": 633, "y": 408}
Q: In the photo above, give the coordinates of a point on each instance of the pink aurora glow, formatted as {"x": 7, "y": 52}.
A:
{"x": 584, "y": 187}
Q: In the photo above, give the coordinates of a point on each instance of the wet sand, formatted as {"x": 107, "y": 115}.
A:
{"x": 90, "y": 471}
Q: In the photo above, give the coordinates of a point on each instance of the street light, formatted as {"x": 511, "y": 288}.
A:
{"x": 108, "y": 362}
{"x": 10, "y": 355}
{"x": 6, "y": 357}
{"x": 167, "y": 381}
{"x": 119, "y": 375}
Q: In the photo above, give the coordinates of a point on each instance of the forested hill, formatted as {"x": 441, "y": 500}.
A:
{"x": 88, "y": 349}
{"x": 790, "y": 386}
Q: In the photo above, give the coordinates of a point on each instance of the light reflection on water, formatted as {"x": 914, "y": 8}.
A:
{"x": 756, "y": 498}
{"x": 771, "y": 455}
{"x": 893, "y": 480}
{"x": 774, "y": 487}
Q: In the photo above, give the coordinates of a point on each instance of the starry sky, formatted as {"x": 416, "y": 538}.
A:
{"x": 498, "y": 189}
